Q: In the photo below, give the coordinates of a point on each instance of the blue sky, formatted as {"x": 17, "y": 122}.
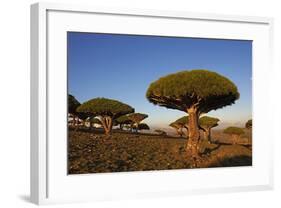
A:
{"x": 122, "y": 67}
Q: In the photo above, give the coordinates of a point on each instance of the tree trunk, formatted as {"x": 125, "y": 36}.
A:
{"x": 90, "y": 125}
{"x": 137, "y": 127}
{"x": 207, "y": 134}
{"x": 107, "y": 124}
{"x": 235, "y": 138}
{"x": 75, "y": 122}
{"x": 179, "y": 131}
{"x": 194, "y": 134}
{"x": 187, "y": 132}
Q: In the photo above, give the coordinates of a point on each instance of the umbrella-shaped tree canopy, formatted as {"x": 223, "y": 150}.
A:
{"x": 136, "y": 118}
{"x": 122, "y": 120}
{"x": 183, "y": 121}
{"x": 248, "y": 124}
{"x": 73, "y": 104}
{"x": 203, "y": 89}
{"x": 106, "y": 109}
{"x": 207, "y": 123}
{"x": 235, "y": 132}
{"x": 143, "y": 126}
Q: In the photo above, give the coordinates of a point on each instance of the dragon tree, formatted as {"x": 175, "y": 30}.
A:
{"x": 142, "y": 126}
{"x": 136, "y": 118}
{"x": 194, "y": 92}
{"x": 73, "y": 104}
{"x": 248, "y": 124}
{"x": 177, "y": 127}
{"x": 206, "y": 124}
{"x": 106, "y": 110}
{"x": 180, "y": 124}
{"x": 235, "y": 132}
{"x": 123, "y": 120}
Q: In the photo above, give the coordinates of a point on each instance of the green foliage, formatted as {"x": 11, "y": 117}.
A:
{"x": 208, "y": 122}
{"x": 137, "y": 117}
{"x": 208, "y": 90}
{"x": 123, "y": 120}
{"x": 175, "y": 125}
{"x": 183, "y": 120}
{"x": 83, "y": 116}
{"x": 73, "y": 104}
{"x": 180, "y": 123}
{"x": 248, "y": 124}
{"x": 233, "y": 130}
{"x": 105, "y": 107}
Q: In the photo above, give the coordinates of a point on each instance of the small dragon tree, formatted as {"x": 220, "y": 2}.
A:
{"x": 206, "y": 124}
{"x": 177, "y": 127}
{"x": 73, "y": 104}
{"x": 106, "y": 110}
{"x": 143, "y": 126}
{"x": 136, "y": 118}
{"x": 248, "y": 124}
{"x": 180, "y": 124}
{"x": 194, "y": 92}
{"x": 183, "y": 121}
{"x": 235, "y": 132}
{"x": 123, "y": 120}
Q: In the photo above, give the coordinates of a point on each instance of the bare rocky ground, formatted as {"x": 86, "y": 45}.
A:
{"x": 92, "y": 152}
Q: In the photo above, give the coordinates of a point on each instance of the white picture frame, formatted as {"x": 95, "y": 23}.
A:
{"x": 49, "y": 181}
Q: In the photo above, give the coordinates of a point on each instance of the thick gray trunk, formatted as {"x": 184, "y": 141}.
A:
{"x": 194, "y": 134}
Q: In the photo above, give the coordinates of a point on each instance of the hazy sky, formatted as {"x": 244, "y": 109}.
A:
{"x": 122, "y": 67}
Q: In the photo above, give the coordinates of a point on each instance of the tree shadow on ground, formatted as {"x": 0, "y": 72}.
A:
{"x": 242, "y": 160}
{"x": 234, "y": 161}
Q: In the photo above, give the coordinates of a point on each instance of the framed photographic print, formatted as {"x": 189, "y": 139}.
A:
{"x": 132, "y": 103}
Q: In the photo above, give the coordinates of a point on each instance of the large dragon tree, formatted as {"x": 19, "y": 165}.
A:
{"x": 206, "y": 124}
{"x": 106, "y": 110}
{"x": 194, "y": 92}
